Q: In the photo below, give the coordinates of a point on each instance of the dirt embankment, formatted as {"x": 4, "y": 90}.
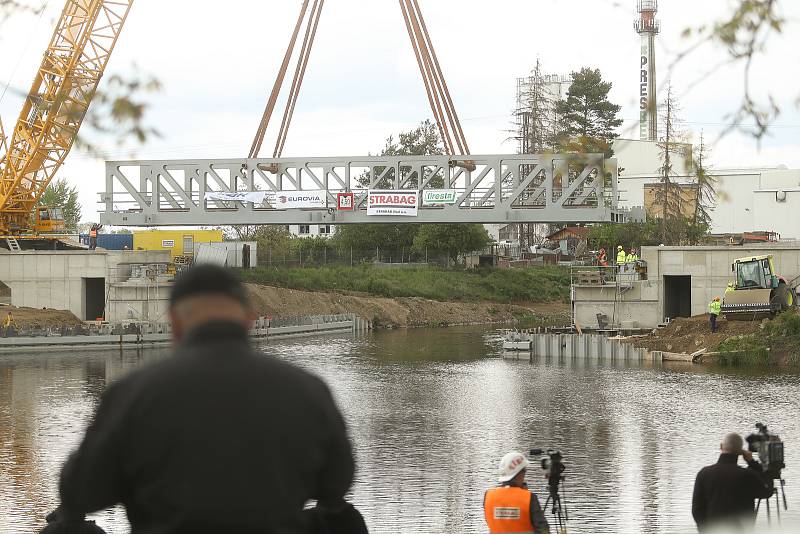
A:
{"x": 693, "y": 333}
{"x": 35, "y": 317}
{"x": 400, "y": 312}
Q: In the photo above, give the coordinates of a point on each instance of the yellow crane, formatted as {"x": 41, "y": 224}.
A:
{"x": 48, "y": 124}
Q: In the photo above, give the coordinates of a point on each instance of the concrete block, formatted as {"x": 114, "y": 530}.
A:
{"x": 76, "y": 262}
{"x": 44, "y": 294}
{"x": 671, "y": 261}
{"x": 76, "y": 303}
{"x": 58, "y": 267}
{"x": 30, "y": 265}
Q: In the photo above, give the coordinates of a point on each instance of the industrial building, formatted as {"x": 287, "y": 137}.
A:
{"x": 176, "y": 242}
{"x": 747, "y": 200}
{"x": 311, "y": 230}
{"x": 679, "y": 282}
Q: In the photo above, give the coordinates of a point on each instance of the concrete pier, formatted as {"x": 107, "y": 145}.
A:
{"x": 130, "y": 285}
{"x": 581, "y": 346}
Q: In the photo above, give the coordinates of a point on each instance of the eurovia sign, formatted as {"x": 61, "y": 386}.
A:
{"x": 300, "y": 199}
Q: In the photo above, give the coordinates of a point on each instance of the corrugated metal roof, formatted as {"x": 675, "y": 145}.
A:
{"x": 206, "y": 253}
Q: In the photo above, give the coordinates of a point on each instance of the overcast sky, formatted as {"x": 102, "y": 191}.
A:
{"x": 217, "y": 62}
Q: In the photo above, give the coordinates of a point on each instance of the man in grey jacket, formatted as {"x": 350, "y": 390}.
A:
{"x": 217, "y": 438}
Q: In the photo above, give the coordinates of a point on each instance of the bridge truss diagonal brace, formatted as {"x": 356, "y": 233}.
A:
{"x": 503, "y": 189}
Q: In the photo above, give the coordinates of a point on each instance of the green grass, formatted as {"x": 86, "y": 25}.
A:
{"x": 542, "y": 284}
{"x": 781, "y": 336}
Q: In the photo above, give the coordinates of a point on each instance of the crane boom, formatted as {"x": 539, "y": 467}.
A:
{"x": 62, "y": 90}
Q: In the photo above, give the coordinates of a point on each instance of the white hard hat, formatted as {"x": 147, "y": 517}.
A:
{"x": 511, "y": 464}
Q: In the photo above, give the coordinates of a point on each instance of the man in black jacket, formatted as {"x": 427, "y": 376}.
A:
{"x": 724, "y": 493}
{"x": 217, "y": 438}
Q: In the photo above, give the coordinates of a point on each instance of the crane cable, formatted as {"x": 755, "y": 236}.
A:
{"x": 436, "y": 89}
{"x": 445, "y": 92}
{"x": 299, "y": 73}
{"x": 276, "y": 88}
{"x": 427, "y": 82}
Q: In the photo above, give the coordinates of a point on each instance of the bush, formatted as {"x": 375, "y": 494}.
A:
{"x": 743, "y": 350}
{"x": 543, "y": 284}
{"x": 779, "y": 336}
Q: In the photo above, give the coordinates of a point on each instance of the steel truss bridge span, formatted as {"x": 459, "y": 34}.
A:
{"x": 555, "y": 188}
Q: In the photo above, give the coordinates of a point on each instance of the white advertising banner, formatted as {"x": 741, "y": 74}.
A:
{"x": 398, "y": 203}
{"x": 256, "y": 197}
{"x": 437, "y": 197}
{"x": 285, "y": 200}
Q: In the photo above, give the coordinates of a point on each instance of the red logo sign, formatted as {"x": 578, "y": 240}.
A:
{"x": 345, "y": 201}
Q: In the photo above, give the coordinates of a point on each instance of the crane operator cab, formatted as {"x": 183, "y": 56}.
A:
{"x": 758, "y": 290}
{"x": 48, "y": 219}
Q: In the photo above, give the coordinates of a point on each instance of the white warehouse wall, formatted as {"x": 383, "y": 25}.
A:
{"x": 747, "y": 199}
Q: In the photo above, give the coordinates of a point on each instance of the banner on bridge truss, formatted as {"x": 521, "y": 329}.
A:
{"x": 393, "y": 202}
{"x": 300, "y": 199}
{"x": 256, "y": 197}
{"x": 438, "y": 197}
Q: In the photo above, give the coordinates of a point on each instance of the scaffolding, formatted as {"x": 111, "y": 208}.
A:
{"x": 537, "y": 120}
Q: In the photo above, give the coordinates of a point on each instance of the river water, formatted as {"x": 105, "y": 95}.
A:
{"x": 430, "y": 413}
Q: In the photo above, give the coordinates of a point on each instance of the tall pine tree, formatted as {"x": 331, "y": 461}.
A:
{"x": 672, "y": 143}
{"x": 706, "y": 185}
{"x": 587, "y": 119}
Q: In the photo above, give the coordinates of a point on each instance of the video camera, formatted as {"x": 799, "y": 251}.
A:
{"x": 769, "y": 448}
{"x": 553, "y": 467}
{"x": 551, "y": 464}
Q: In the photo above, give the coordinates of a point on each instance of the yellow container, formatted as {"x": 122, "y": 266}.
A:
{"x": 178, "y": 242}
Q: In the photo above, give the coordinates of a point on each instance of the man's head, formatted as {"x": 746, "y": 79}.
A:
{"x": 732, "y": 444}
{"x": 619, "y": 247}
{"x": 207, "y": 293}
{"x": 716, "y": 299}
{"x": 512, "y": 468}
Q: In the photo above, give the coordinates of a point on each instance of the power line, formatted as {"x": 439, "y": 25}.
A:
{"x": 25, "y": 49}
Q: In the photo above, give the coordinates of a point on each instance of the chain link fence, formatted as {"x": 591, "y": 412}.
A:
{"x": 351, "y": 257}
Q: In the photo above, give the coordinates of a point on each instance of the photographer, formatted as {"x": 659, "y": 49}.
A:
{"x": 511, "y": 507}
{"x": 724, "y": 493}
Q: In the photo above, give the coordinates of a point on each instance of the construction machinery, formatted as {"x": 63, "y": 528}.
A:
{"x": 54, "y": 109}
{"x": 758, "y": 291}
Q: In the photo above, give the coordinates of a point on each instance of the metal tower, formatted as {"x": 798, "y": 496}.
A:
{"x": 647, "y": 27}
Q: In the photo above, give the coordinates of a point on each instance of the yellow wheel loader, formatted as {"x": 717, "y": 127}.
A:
{"x": 758, "y": 290}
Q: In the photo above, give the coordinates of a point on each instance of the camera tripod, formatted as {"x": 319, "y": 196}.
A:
{"x": 557, "y": 499}
{"x": 778, "y": 495}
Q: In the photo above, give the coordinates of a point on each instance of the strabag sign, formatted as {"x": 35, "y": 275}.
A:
{"x": 285, "y": 200}
{"x": 397, "y": 203}
{"x": 437, "y": 197}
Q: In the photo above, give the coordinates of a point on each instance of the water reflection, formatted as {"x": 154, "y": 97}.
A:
{"x": 431, "y": 412}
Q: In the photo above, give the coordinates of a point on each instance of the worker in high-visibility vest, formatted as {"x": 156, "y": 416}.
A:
{"x": 511, "y": 507}
{"x": 714, "y": 309}
{"x": 731, "y": 287}
{"x": 620, "y": 255}
{"x": 632, "y": 257}
{"x": 602, "y": 260}
{"x": 9, "y": 321}
{"x": 93, "y": 236}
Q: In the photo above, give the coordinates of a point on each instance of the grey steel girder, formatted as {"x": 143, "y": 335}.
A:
{"x": 556, "y": 188}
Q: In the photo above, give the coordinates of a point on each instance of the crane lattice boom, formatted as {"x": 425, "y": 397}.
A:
{"x": 62, "y": 90}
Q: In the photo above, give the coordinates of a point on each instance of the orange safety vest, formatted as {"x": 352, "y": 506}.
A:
{"x": 92, "y": 233}
{"x": 508, "y": 509}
